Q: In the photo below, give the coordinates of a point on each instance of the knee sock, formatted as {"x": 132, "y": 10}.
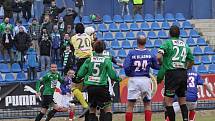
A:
{"x": 71, "y": 114}
{"x": 170, "y": 113}
{"x": 128, "y": 116}
{"x": 86, "y": 116}
{"x": 39, "y": 116}
{"x": 108, "y": 116}
{"x": 50, "y": 114}
{"x": 184, "y": 112}
{"x": 192, "y": 115}
{"x": 166, "y": 116}
{"x": 102, "y": 115}
{"x": 148, "y": 115}
{"x": 77, "y": 93}
{"x": 92, "y": 117}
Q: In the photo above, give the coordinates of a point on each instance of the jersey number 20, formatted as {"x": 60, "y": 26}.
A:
{"x": 140, "y": 65}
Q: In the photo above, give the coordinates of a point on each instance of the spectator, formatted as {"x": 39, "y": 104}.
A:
{"x": 32, "y": 62}
{"x": 5, "y": 24}
{"x": 37, "y": 8}
{"x": 34, "y": 30}
{"x": 61, "y": 25}
{"x": 56, "y": 41}
{"x": 8, "y": 8}
{"x": 64, "y": 43}
{"x": 16, "y": 28}
{"x": 55, "y": 11}
{"x": 79, "y": 7}
{"x": 159, "y": 6}
{"x": 69, "y": 30}
{"x": 70, "y": 17}
{"x": 47, "y": 24}
{"x": 125, "y": 8}
{"x": 22, "y": 41}
{"x": 26, "y": 9}
{"x": 47, "y": 4}
{"x": 137, "y": 7}
{"x": 17, "y": 7}
{"x": 45, "y": 50}
{"x": 68, "y": 59}
{"x": 7, "y": 42}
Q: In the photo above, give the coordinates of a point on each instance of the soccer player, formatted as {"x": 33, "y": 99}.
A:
{"x": 50, "y": 81}
{"x": 175, "y": 57}
{"x": 95, "y": 72}
{"x": 137, "y": 65}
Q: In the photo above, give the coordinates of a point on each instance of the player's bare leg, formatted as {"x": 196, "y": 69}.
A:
{"x": 129, "y": 111}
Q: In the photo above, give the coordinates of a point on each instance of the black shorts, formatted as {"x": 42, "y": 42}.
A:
{"x": 175, "y": 83}
{"x": 80, "y": 62}
{"x": 47, "y": 101}
{"x": 98, "y": 96}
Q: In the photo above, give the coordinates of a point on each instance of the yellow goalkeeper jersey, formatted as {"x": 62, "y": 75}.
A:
{"x": 82, "y": 44}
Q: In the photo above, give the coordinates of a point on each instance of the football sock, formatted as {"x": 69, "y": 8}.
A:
{"x": 192, "y": 115}
{"x": 108, "y": 116}
{"x": 50, "y": 114}
{"x": 39, "y": 116}
{"x": 102, "y": 115}
{"x": 170, "y": 113}
{"x": 148, "y": 115}
{"x": 184, "y": 112}
{"x": 128, "y": 116}
{"x": 71, "y": 115}
{"x": 77, "y": 93}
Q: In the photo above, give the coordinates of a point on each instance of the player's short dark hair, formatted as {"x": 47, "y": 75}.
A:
{"x": 141, "y": 40}
{"x": 174, "y": 31}
{"x": 79, "y": 28}
{"x": 99, "y": 46}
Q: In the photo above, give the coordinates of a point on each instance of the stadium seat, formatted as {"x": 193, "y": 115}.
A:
{"x": 148, "y": 44}
{"x": 183, "y": 34}
{"x": 1, "y": 78}
{"x": 107, "y": 45}
{"x": 151, "y": 35}
{"x": 134, "y": 45}
{"x": 113, "y": 27}
{"x": 15, "y": 68}
{"x": 122, "y": 72}
{"x": 202, "y": 69}
{"x": 118, "y": 19}
{"x": 21, "y": 76}
{"x": 86, "y": 20}
{"x": 4, "y": 68}
{"x": 169, "y": 17}
{"x": 205, "y": 59}
{"x": 108, "y": 36}
{"x": 211, "y": 68}
{"x": 176, "y": 23}
{"x": 208, "y": 50}
{"x": 122, "y": 53}
{"x": 115, "y": 44}
{"x": 187, "y": 25}
{"x": 77, "y": 20}
{"x": 162, "y": 34}
{"x": 194, "y": 68}
{"x": 149, "y": 18}
{"x": 196, "y": 60}
{"x": 155, "y": 26}
{"x": 128, "y": 19}
{"x": 9, "y": 77}
{"x": 107, "y": 19}
{"x": 165, "y": 26}
{"x": 102, "y": 28}
{"x": 126, "y": 44}
{"x": 213, "y": 59}
{"x": 194, "y": 33}
{"x": 119, "y": 36}
{"x": 134, "y": 27}
{"x": 190, "y": 42}
{"x": 145, "y": 27}
{"x": 112, "y": 53}
{"x": 25, "y": 67}
{"x": 179, "y": 17}
{"x": 123, "y": 27}
{"x": 201, "y": 41}
{"x": 159, "y": 18}
{"x": 140, "y": 33}
{"x": 130, "y": 36}
{"x": 197, "y": 51}
{"x": 138, "y": 18}
{"x": 157, "y": 43}
{"x": 99, "y": 36}
{"x": 154, "y": 51}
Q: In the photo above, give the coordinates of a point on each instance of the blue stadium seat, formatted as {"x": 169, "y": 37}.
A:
{"x": 194, "y": 68}
{"x": 128, "y": 19}
{"x": 123, "y": 27}
{"x": 159, "y": 18}
{"x": 134, "y": 45}
{"x": 157, "y": 43}
{"x": 77, "y": 20}
{"x": 122, "y": 72}
{"x": 183, "y": 34}
{"x": 102, "y": 28}
{"x": 145, "y": 26}
{"x": 211, "y": 68}
{"x": 162, "y": 34}
{"x": 208, "y": 50}
{"x": 130, "y": 36}
{"x": 197, "y": 51}
{"x": 194, "y": 33}
{"x": 201, "y": 41}
{"x": 122, "y": 53}
{"x": 155, "y": 26}
{"x": 138, "y": 18}
{"x": 108, "y": 36}
{"x": 154, "y": 51}
{"x": 134, "y": 27}
{"x": 165, "y": 25}
{"x": 148, "y": 44}
{"x": 179, "y": 17}
{"x": 107, "y": 19}
{"x": 196, "y": 60}
{"x": 169, "y": 17}
{"x": 187, "y": 25}
{"x": 140, "y": 33}
{"x": 176, "y": 23}
{"x": 213, "y": 59}
{"x": 107, "y": 45}
{"x": 113, "y": 27}
{"x": 4, "y": 68}
{"x": 126, "y": 44}
{"x": 190, "y": 42}
{"x": 119, "y": 36}
{"x": 112, "y": 53}
{"x": 117, "y": 19}
{"x": 86, "y": 20}
{"x": 21, "y": 76}
{"x": 202, "y": 69}
{"x": 206, "y": 60}
{"x": 99, "y": 36}
{"x": 1, "y": 78}
{"x": 149, "y": 18}
{"x": 152, "y": 35}
{"x": 15, "y": 68}
{"x": 9, "y": 77}
{"x": 115, "y": 45}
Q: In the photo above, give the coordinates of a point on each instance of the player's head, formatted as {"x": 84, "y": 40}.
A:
{"x": 89, "y": 30}
{"x": 79, "y": 28}
{"x": 174, "y": 31}
{"x": 53, "y": 68}
{"x": 99, "y": 46}
{"x": 141, "y": 41}
{"x": 70, "y": 73}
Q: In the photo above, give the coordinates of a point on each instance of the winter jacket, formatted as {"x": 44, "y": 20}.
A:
{"x": 69, "y": 19}
{"x": 45, "y": 46}
{"x": 56, "y": 40}
{"x": 17, "y": 7}
{"x": 7, "y": 43}
{"x": 22, "y": 41}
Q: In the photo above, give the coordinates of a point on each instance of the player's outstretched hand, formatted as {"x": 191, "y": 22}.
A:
{"x": 38, "y": 94}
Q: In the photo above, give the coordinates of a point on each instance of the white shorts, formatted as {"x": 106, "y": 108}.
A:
{"x": 191, "y": 105}
{"x": 62, "y": 100}
{"x": 139, "y": 87}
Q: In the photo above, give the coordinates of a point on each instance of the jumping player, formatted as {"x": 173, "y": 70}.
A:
{"x": 175, "y": 57}
{"x": 137, "y": 65}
